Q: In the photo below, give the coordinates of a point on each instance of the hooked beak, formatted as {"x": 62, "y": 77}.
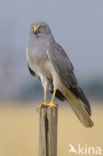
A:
{"x": 35, "y": 30}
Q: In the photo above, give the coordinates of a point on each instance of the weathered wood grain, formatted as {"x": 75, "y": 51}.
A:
{"x": 48, "y": 131}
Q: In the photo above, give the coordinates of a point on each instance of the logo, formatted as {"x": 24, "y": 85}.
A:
{"x": 89, "y": 150}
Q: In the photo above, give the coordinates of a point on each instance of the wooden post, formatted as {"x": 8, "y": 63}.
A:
{"x": 48, "y": 131}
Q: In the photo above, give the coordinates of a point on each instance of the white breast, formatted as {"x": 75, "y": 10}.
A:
{"x": 48, "y": 67}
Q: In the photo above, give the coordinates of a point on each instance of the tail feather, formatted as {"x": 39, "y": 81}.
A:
{"x": 77, "y": 91}
{"x": 78, "y": 108}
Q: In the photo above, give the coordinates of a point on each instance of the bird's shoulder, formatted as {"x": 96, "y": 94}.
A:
{"x": 58, "y": 49}
{"x": 58, "y": 54}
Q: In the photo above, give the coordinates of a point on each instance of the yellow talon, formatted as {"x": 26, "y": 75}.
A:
{"x": 51, "y": 104}
{"x": 42, "y": 105}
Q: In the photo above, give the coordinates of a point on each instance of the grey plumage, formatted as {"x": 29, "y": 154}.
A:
{"x": 48, "y": 61}
{"x": 58, "y": 94}
{"x": 31, "y": 71}
{"x": 64, "y": 68}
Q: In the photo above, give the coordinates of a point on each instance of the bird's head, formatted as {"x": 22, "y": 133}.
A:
{"x": 40, "y": 28}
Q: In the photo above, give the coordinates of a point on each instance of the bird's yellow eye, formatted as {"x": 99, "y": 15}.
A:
{"x": 32, "y": 27}
{"x": 41, "y": 27}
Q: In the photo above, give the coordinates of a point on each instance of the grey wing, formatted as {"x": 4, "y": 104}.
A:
{"x": 59, "y": 95}
{"x": 27, "y": 59}
{"x": 64, "y": 68}
{"x": 31, "y": 71}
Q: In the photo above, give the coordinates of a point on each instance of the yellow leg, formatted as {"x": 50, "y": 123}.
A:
{"x": 45, "y": 94}
{"x": 51, "y": 104}
{"x": 44, "y": 103}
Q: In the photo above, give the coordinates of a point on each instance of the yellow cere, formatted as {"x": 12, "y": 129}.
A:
{"x": 35, "y": 29}
{"x": 41, "y": 27}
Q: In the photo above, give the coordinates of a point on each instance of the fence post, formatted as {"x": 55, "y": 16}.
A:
{"x": 48, "y": 131}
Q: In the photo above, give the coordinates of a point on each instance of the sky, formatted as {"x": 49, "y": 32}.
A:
{"x": 77, "y": 25}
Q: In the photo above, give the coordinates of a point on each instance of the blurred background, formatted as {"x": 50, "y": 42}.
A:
{"x": 78, "y": 27}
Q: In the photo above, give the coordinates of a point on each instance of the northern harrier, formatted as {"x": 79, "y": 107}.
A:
{"x": 48, "y": 61}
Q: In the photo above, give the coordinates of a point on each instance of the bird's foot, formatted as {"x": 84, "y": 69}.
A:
{"x": 44, "y": 105}
{"x": 51, "y": 104}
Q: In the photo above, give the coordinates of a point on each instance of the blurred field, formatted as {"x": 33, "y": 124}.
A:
{"x": 19, "y": 131}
